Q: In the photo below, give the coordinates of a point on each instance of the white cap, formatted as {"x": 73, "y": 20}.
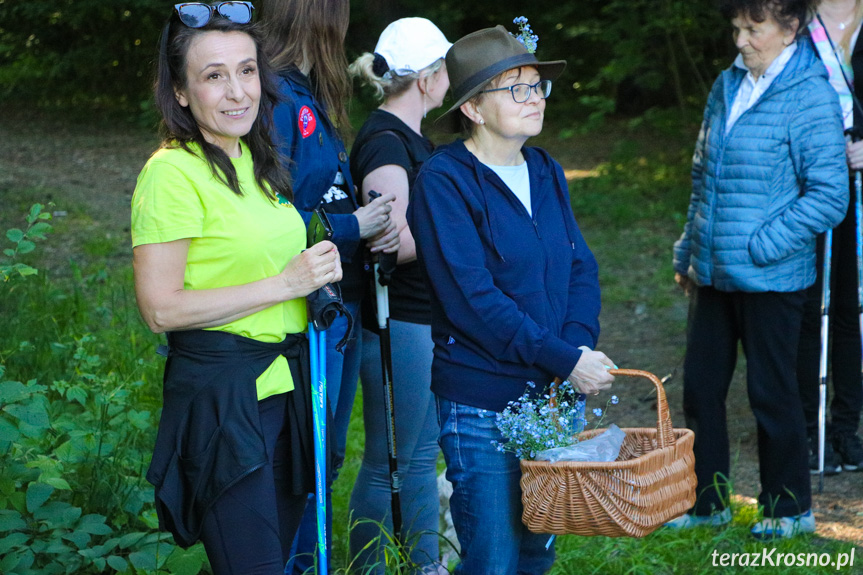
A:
{"x": 411, "y": 44}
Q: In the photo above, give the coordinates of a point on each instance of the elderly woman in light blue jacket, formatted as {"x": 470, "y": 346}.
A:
{"x": 768, "y": 176}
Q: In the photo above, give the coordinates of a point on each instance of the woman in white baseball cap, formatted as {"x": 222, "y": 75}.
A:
{"x": 409, "y": 75}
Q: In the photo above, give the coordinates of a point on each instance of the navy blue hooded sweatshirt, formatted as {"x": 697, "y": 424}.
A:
{"x": 513, "y": 296}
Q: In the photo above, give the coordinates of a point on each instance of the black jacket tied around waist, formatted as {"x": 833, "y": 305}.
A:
{"x": 210, "y": 434}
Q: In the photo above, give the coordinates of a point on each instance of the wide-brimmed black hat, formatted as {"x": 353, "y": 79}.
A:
{"x": 480, "y": 56}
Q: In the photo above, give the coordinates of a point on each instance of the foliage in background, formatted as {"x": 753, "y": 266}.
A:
{"x": 89, "y": 53}
{"x": 633, "y": 210}
{"x": 78, "y": 411}
{"x": 624, "y": 55}
{"x": 24, "y": 244}
{"x": 656, "y": 52}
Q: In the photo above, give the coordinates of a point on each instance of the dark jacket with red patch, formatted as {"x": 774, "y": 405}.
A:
{"x": 304, "y": 134}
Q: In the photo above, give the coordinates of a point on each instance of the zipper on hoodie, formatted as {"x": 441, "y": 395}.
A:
{"x": 483, "y": 180}
{"x": 543, "y": 247}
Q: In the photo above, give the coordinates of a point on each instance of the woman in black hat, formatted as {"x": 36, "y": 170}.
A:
{"x": 514, "y": 288}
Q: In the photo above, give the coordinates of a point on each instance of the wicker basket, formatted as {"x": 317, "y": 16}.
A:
{"x": 651, "y": 482}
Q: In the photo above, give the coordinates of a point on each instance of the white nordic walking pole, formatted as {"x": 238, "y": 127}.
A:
{"x": 822, "y": 364}
{"x": 383, "y": 313}
{"x": 383, "y": 271}
{"x": 858, "y": 203}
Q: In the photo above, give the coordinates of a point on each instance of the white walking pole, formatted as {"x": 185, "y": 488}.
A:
{"x": 822, "y": 364}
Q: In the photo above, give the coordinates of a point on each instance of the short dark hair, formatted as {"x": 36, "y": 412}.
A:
{"x": 785, "y": 12}
{"x": 179, "y": 127}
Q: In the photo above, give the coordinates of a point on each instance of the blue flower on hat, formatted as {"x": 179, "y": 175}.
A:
{"x": 525, "y": 35}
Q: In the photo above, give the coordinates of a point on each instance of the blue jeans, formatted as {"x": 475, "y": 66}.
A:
{"x": 342, "y": 375}
{"x": 486, "y": 501}
{"x": 416, "y": 441}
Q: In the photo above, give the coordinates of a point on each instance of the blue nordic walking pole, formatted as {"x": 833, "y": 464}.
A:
{"x": 319, "y": 229}
{"x": 822, "y": 364}
{"x": 318, "y": 361}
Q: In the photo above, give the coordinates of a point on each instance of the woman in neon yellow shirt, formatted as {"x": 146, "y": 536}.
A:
{"x": 220, "y": 267}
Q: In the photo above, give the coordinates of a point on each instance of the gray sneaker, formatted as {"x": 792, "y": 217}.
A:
{"x": 849, "y": 450}
{"x": 832, "y": 461}
{"x": 687, "y": 521}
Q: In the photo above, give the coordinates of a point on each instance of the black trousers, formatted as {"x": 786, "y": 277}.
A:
{"x": 767, "y": 324}
{"x": 844, "y": 350}
{"x": 250, "y": 528}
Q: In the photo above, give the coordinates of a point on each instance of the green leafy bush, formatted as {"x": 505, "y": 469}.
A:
{"x": 82, "y": 52}
{"x": 77, "y": 424}
{"x": 24, "y": 243}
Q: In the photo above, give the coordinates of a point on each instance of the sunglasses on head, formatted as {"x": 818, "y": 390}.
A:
{"x": 199, "y": 14}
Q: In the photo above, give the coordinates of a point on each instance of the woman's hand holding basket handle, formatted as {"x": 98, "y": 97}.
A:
{"x": 591, "y": 374}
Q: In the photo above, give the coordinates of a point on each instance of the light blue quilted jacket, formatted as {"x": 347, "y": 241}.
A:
{"x": 762, "y": 193}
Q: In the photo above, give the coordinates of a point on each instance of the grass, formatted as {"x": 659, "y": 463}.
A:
{"x": 631, "y": 211}
{"x": 692, "y": 552}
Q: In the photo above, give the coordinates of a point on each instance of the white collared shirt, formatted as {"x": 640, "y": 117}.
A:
{"x": 751, "y": 89}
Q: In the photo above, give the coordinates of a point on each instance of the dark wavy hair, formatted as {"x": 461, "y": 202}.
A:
{"x": 296, "y": 29}
{"x": 785, "y": 12}
{"x": 179, "y": 127}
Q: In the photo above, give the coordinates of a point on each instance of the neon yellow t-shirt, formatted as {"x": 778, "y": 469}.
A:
{"x": 234, "y": 240}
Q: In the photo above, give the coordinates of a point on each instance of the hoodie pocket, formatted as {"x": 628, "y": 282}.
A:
{"x": 535, "y": 305}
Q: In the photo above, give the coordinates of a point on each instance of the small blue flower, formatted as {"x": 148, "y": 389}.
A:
{"x": 525, "y": 35}
{"x": 531, "y": 384}
{"x": 597, "y": 412}
{"x": 614, "y": 400}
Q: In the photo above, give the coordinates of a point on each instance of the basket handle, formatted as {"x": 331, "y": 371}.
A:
{"x": 665, "y": 431}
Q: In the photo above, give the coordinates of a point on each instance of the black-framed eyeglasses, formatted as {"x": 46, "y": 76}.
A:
{"x": 521, "y": 92}
{"x": 199, "y": 14}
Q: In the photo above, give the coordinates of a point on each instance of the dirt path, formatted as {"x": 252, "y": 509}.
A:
{"x": 89, "y": 173}
{"x": 636, "y": 341}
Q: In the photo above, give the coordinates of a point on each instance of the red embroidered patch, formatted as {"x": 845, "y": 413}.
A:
{"x": 307, "y": 121}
